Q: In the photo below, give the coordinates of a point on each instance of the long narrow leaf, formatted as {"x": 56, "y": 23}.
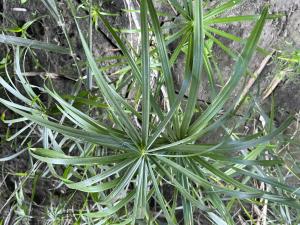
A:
{"x": 240, "y": 69}
{"x": 145, "y": 73}
{"x": 54, "y": 157}
{"x": 6, "y": 39}
{"x": 198, "y": 48}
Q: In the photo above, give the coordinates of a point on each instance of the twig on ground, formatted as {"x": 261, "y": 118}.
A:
{"x": 256, "y": 75}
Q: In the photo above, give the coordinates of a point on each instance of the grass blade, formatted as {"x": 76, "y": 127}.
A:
{"x": 221, "y": 8}
{"x": 162, "y": 50}
{"x": 105, "y": 140}
{"x": 12, "y": 40}
{"x": 145, "y": 73}
{"x": 54, "y": 157}
{"x": 111, "y": 210}
{"x": 198, "y": 48}
{"x": 110, "y": 94}
{"x": 160, "y": 197}
{"x": 240, "y": 69}
{"x": 99, "y": 177}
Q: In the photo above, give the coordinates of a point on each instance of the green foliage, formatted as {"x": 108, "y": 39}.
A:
{"x": 144, "y": 152}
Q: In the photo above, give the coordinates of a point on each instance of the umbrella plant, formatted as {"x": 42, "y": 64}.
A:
{"x": 145, "y": 161}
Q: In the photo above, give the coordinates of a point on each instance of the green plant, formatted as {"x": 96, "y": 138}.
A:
{"x": 21, "y": 30}
{"x": 22, "y": 210}
{"x": 149, "y": 154}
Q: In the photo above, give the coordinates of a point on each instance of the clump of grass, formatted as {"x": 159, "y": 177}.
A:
{"x": 124, "y": 167}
